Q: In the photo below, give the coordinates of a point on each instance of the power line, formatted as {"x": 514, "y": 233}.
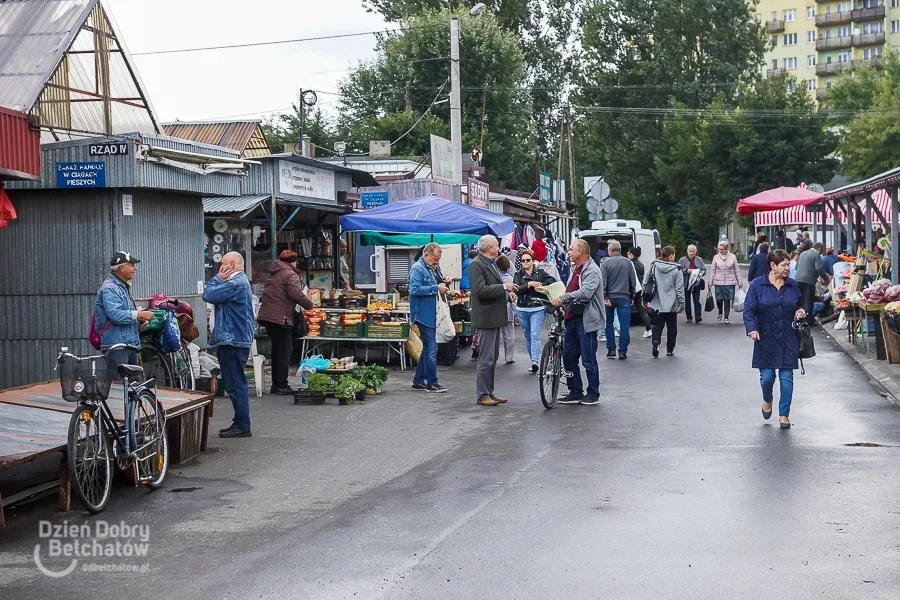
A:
{"x": 293, "y": 41}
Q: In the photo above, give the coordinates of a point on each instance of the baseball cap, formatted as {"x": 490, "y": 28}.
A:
{"x": 120, "y": 258}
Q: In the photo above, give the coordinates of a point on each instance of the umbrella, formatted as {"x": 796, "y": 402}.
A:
{"x": 428, "y": 215}
{"x": 782, "y": 197}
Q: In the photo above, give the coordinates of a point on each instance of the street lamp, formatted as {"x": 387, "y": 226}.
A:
{"x": 455, "y": 103}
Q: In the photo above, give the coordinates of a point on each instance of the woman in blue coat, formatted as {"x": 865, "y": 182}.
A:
{"x": 772, "y": 305}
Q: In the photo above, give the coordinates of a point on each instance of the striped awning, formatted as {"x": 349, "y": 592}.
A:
{"x": 799, "y": 215}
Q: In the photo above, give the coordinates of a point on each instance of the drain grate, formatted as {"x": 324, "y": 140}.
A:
{"x": 869, "y": 445}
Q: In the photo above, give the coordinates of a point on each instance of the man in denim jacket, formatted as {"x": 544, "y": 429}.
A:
{"x": 232, "y": 336}
{"x": 425, "y": 282}
{"x": 116, "y": 318}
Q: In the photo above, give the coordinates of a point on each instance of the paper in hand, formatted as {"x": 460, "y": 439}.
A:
{"x": 553, "y": 291}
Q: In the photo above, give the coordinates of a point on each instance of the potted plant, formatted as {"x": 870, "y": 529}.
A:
{"x": 348, "y": 388}
{"x": 369, "y": 377}
{"x": 318, "y": 386}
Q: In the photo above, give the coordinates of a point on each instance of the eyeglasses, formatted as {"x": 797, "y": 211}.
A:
{"x": 526, "y": 260}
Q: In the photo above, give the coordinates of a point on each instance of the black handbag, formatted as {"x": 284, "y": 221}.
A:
{"x": 650, "y": 287}
{"x": 806, "y": 342}
{"x": 300, "y": 329}
{"x": 710, "y": 303}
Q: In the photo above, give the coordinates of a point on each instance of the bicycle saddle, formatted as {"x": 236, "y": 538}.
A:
{"x": 130, "y": 371}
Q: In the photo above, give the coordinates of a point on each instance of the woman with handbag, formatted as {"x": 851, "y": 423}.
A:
{"x": 530, "y": 305}
{"x": 281, "y": 294}
{"x": 725, "y": 274}
{"x": 664, "y": 293}
{"x": 773, "y": 302}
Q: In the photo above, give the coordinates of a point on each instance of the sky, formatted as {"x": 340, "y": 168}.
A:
{"x": 241, "y": 82}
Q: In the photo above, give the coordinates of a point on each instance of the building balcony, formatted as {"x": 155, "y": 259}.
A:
{"x": 869, "y": 14}
{"x": 832, "y": 68}
{"x": 820, "y": 93}
{"x": 833, "y": 19}
{"x": 774, "y": 26}
{"x": 866, "y": 39}
{"x": 874, "y": 63}
{"x": 836, "y": 43}
{"x": 775, "y": 72}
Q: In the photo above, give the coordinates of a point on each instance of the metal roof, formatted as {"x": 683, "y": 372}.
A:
{"x": 34, "y": 35}
{"x": 360, "y": 178}
{"x": 244, "y": 136}
{"x": 880, "y": 181}
{"x": 233, "y": 204}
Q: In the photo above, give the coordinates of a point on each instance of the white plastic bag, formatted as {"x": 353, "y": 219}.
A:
{"x": 738, "y": 303}
{"x": 446, "y": 331}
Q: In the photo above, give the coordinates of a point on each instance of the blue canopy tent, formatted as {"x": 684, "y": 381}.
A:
{"x": 417, "y": 221}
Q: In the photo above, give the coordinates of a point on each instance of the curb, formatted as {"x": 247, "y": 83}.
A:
{"x": 883, "y": 376}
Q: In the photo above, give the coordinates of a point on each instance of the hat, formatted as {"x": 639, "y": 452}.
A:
{"x": 120, "y": 258}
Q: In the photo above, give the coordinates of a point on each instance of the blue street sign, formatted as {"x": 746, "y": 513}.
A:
{"x": 373, "y": 199}
{"x": 80, "y": 174}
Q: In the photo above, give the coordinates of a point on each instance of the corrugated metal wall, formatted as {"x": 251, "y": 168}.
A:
{"x": 56, "y": 254}
{"x": 20, "y": 145}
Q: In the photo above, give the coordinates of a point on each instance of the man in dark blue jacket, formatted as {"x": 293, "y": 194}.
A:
{"x": 759, "y": 264}
{"x": 425, "y": 283}
{"x": 232, "y": 336}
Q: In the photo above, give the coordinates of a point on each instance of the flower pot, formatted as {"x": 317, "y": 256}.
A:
{"x": 344, "y": 401}
{"x": 361, "y": 396}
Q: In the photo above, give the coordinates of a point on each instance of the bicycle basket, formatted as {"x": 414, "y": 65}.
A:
{"x": 86, "y": 378}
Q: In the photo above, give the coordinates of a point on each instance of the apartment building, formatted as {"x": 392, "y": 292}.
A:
{"x": 816, "y": 40}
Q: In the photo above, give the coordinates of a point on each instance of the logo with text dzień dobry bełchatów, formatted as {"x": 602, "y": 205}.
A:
{"x": 93, "y": 547}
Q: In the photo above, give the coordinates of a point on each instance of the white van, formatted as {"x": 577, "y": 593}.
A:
{"x": 628, "y": 233}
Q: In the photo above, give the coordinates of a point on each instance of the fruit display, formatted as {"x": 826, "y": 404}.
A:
{"x": 382, "y": 302}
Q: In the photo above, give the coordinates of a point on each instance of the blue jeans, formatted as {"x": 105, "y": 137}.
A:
{"x": 580, "y": 344}
{"x": 426, "y": 368}
{"x": 786, "y": 385}
{"x": 532, "y": 324}
{"x": 232, "y": 361}
{"x": 621, "y": 307}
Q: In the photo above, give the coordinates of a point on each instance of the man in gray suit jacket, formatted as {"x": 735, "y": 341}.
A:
{"x": 585, "y": 290}
{"x": 490, "y": 297}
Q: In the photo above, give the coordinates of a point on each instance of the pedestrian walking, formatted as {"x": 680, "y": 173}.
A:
{"x": 667, "y": 301}
{"x": 529, "y": 304}
{"x": 509, "y": 330}
{"x": 793, "y": 269}
{"x": 425, "y": 283}
{"x": 759, "y": 262}
{"x": 694, "y": 272}
{"x": 464, "y": 286}
{"x": 229, "y": 292}
{"x": 490, "y": 299}
{"x": 585, "y": 316}
{"x": 810, "y": 269}
{"x": 117, "y": 319}
{"x": 725, "y": 274}
{"x": 634, "y": 255}
{"x": 761, "y": 238}
{"x": 619, "y": 286}
{"x": 282, "y": 293}
{"x": 771, "y": 306}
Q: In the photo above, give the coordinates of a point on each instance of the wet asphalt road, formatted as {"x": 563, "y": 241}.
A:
{"x": 674, "y": 487}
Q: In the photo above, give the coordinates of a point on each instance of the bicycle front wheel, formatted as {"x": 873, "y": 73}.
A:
{"x": 184, "y": 371}
{"x": 152, "y": 445}
{"x": 548, "y": 373}
{"x": 90, "y": 459}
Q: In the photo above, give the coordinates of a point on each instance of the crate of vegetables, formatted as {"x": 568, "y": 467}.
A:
{"x": 394, "y": 330}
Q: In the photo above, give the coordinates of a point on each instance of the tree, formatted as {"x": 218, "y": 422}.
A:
{"x": 284, "y": 128}
{"x": 412, "y": 71}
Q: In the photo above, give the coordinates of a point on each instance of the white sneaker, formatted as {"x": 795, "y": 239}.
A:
{"x": 647, "y": 334}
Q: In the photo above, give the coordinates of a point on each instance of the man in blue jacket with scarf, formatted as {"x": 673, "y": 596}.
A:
{"x": 425, "y": 283}
{"x": 232, "y": 336}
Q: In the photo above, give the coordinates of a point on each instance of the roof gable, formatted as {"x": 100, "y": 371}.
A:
{"x": 245, "y": 137}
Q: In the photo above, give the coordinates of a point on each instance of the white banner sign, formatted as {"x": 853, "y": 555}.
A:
{"x": 303, "y": 180}
{"x": 442, "y": 159}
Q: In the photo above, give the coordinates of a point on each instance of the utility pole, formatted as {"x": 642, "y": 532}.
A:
{"x": 301, "y": 146}
{"x": 455, "y": 102}
{"x": 408, "y": 97}
{"x": 307, "y": 98}
{"x": 571, "y": 154}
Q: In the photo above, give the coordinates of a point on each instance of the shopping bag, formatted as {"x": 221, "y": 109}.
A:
{"x": 739, "y": 297}
{"x": 445, "y": 329}
{"x": 170, "y": 336}
{"x": 710, "y": 304}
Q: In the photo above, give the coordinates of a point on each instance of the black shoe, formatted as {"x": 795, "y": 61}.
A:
{"x": 655, "y": 351}
{"x": 767, "y": 414}
{"x": 419, "y": 386}
{"x": 534, "y": 368}
{"x": 590, "y": 400}
{"x": 610, "y": 354}
{"x": 623, "y": 357}
{"x": 510, "y": 362}
{"x": 785, "y": 425}
{"x": 571, "y": 398}
{"x": 235, "y": 433}
{"x": 699, "y": 320}
{"x": 282, "y": 390}
{"x": 436, "y": 389}
{"x": 229, "y": 428}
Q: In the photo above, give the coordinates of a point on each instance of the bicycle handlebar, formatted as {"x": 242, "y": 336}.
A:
{"x": 122, "y": 347}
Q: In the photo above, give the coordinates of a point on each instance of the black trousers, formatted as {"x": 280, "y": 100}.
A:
{"x": 668, "y": 320}
{"x": 282, "y": 339}
{"x": 807, "y": 297}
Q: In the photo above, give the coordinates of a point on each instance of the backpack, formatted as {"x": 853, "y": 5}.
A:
{"x": 94, "y": 337}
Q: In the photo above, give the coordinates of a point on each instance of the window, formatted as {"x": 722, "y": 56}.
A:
{"x": 895, "y": 26}
{"x": 843, "y": 57}
{"x": 790, "y": 63}
{"x": 774, "y": 63}
{"x": 789, "y": 15}
{"x": 876, "y": 27}
{"x": 843, "y": 7}
{"x": 811, "y": 60}
{"x": 810, "y": 12}
{"x": 774, "y": 15}
{"x": 758, "y": 18}
{"x": 895, "y": 3}
{"x": 790, "y": 39}
{"x": 811, "y": 85}
{"x": 870, "y": 53}
{"x": 843, "y": 31}
{"x": 811, "y": 37}
{"x": 774, "y": 41}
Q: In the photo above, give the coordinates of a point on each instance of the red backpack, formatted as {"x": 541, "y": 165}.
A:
{"x": 96, "y": 337}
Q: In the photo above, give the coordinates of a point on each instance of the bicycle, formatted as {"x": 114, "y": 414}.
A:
{"x": 550, "y": 370}
{"x": 140, "y": 440}
{"x": 169, "y": 369}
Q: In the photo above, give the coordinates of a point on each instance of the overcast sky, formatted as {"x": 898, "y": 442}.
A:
{"x": 244, "y": 82}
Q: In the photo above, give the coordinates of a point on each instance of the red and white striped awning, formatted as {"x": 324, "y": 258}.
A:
{"x": 799, "y": 215}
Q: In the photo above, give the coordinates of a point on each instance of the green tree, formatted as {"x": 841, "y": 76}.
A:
{"x": 284, "y": 128}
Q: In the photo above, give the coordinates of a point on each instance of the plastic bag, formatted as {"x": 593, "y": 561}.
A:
{"x": 170, "y": 336}
{"x": 194, "y": 353}
{"x": 317, "y": 362}
{"x": 445, "y": 330}
{"x": 738, "y": 303}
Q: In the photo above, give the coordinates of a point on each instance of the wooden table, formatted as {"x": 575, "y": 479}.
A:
{"x": 858, "y": 315}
